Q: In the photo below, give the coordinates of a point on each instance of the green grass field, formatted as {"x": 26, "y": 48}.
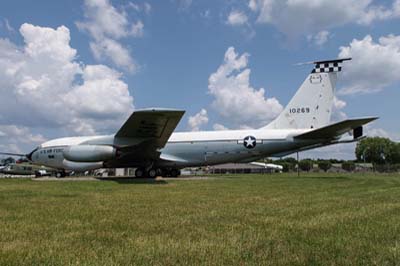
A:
{"x": 316, "y": 219}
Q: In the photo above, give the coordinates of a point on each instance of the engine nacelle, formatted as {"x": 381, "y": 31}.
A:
{"x": 81, "y": 167}
{"x": 89, "y": 153}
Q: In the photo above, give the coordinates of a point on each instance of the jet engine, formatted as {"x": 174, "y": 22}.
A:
{"x": 76, "y": 166}
{"x": 89, "y": 153}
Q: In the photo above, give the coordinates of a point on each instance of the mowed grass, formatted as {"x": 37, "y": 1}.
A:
{"x": 316, "y": 219}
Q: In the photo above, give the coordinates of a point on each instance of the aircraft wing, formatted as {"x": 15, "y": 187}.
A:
{"x": 335, "y": 130}
{"x": 150, "y": 129}
{"x": 12, "y": 154}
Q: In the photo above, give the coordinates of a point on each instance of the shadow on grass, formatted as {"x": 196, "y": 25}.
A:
{"x": 133, "y": 180}
{"x": 327, "y": 177}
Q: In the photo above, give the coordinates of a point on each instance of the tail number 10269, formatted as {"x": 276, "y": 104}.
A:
{"x": 299, "y": 110}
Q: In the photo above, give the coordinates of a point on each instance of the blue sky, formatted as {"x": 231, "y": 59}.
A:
{"x": 112, "y": 57}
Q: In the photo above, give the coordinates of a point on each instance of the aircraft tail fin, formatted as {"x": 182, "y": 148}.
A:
{"x": 311, "y": 106}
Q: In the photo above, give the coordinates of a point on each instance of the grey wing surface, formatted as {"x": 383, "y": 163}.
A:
{"x": 146, "y": 131}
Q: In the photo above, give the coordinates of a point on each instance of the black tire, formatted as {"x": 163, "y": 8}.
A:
{"x": 174, "y": 172}
{"x": 152, "y": 173}
{"x": 160, "y": 172}
{"x": 140, "y": 173}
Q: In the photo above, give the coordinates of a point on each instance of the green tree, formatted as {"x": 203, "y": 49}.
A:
{"x": 287, "y": 167}
{"x": 349, "y": 166}
{"x": 8, "y": 160}
{"x": 396, "y": 158}
{"x": 324, "y": 165}
{"x": 306, "y": 165}
{"x": 377, "y": 150}
{"x": 290, "y": 160}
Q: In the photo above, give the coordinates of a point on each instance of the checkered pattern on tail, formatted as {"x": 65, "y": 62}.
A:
{"x": 327, "y": 67}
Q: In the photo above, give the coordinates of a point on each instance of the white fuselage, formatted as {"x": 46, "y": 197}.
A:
{"x": 183, "y": 149}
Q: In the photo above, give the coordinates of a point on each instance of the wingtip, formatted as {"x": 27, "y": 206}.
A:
{"x": 367, "y": 119}
{"x": 158, "y": 109}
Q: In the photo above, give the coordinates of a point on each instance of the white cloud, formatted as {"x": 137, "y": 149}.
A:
{"x": 234, "y": 99}
{"x": 320, "y": 38}
{"x": 199, "y": 119}
{"x": 253, "y": 5}
{"x": 377, "y": 132}
{"x": 147, "y": 8}
{"x": 302, "y": 17}
{"x": 137, "y": 29}
{"x": 99, "y": 80}
{"x": 107, "y": 25}
{"x": 120, "y": 55}
{"x": 236, "y": 18}
{"x": 22, "y": 134}
{"x": 375, "y": 65}
{"x": 13, "y": 137}
{"x": 43, "y": 86}
{"x": 219, "y": 127}
{"x": 371, "y": 131}
{"x": 337, "y": 113}
{"x": 8, "y": 26}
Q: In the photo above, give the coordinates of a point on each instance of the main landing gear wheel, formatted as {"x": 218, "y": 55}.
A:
{"x": 152, "y": 173}
{"x": 175, "y": 172}
{"x": 61, "y": 174}
{"x": 140, "y": 173}
{"x": 171, "y": 172}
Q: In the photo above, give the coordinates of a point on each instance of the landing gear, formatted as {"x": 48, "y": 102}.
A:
{"x": 140, "y": 172}
{"x": 61, "y": 174}
{"x": 175, "y": 172}
{"x": 152, "y": 173}
{"x": 160, "y": 172}
{"x": 171, "y": 172}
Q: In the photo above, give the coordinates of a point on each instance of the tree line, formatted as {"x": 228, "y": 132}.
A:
{"x": 290, "y": 164}
{"x": 382, "y": 153}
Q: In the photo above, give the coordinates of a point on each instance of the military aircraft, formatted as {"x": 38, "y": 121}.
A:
{"x": 147, "y": 140}
{"x": 26, "y": 169}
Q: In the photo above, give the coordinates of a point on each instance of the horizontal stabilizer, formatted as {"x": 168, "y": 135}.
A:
{"x": 335, "y": 130}
{"x": 328, "y": 66}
